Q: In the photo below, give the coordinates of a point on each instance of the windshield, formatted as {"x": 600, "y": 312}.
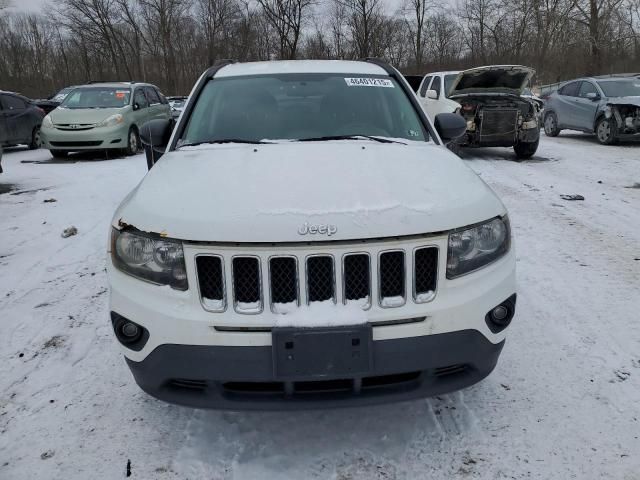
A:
{"x": 61, "y": 95}
{"x": 620, "y": 88}
{"x": 302, "y": 106}
{"x": 448, "y": 81}
{"x": 97, "y": 97}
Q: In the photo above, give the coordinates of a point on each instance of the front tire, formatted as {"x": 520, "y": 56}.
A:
{"x": 133, "y": 142}
{"x": 59, "y": 153}
{"x": 525, "y": 150}
{"x": 551, "y": 125}
{"x": 605, "y": 131}
{"x": 35, "y": 139}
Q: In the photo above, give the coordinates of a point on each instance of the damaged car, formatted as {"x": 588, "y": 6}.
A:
{"x": 497, "y": 114}
{"x": 608, "y": 106}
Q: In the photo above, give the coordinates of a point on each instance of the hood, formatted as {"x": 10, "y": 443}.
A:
{"x": 83, "y": 115}
{"x": 267, "y": 193}
{"x": 624, "y": 101}
{"x": 506, "y": 79}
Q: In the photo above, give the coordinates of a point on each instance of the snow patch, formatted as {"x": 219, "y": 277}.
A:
{"x": 392, "y": 301}
{"x": 425, "y": 297}
{"x": 323, "y": 314}
{"x": 212, "y": 304}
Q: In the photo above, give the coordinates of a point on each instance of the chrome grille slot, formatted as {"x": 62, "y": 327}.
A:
{"x": 283, "y": 278}
{"x": 391, "y": 272}
{"x": 210, "y": 273}
{"x": 320, "y": 278}
{"x": 356, "y": 271}
{"x": 247, "y": 285}
{"x": 425, "y": 274}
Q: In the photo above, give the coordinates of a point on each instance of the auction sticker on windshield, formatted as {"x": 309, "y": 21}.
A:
{"x": 369, "y": 82}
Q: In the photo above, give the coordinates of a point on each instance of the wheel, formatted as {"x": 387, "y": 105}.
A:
{"x": 605, "y": 131}
{"x": 35, "y": 139}
{"x": 133, "y": 142}
{"x": 59, "y": 153}
{"x": 551, "y": 125}
{"x": 525, "y": 150}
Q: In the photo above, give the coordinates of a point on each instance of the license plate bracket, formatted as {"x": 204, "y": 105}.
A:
{"x": 323, "y": 352}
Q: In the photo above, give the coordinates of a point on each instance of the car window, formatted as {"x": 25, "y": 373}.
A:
{"x": 586, "y": 87}
{"x": 140, "y": 99}
{"x": 163, "y": 99}
{"x": 302, "y": 106}
{"x": 425, "y": 86}
{"x": 436, "y": 85}
{"x": 570, "y": 89}
{"x": 620, "y": 88}
{"x": 13, "y": 103}
{"x": 97, "y": 97}
{"x": 448, "y": 82}
{"x": 152, "y": 95}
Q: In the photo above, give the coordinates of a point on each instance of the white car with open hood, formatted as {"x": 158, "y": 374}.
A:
{"x": 492, "y": 101}
{"x": 306, "y": 240}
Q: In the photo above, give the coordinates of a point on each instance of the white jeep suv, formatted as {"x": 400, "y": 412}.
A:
{"x": 307, "y": 241}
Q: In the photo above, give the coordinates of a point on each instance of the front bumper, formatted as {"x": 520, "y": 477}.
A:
{"x": 93, "y": 139}
{"x": 242, "y": 378}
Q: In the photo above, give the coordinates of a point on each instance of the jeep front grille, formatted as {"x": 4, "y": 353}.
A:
{"x": 296, "y": 279}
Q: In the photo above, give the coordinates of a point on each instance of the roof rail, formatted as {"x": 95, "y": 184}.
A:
{"x": 211, "y": 71}
{"x": 379, "y": 62}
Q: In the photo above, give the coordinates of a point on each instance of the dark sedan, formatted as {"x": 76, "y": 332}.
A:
{"x": 20, "y": 121}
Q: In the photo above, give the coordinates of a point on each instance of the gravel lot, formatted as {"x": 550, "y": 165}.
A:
{"x": 564, "y": 401}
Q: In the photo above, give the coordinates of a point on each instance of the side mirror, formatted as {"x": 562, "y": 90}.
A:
{"x": 136, "y": 106}
{"x": 432, "y": 94}
{"x": 155, "y": 136}
{"x": 450, "y": 126}
{"x": 593, "y": 96}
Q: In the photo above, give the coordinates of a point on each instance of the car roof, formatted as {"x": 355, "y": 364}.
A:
{"x": 300, "y": 66}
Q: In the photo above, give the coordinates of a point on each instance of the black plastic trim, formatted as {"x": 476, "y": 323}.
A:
{"x": 215, "y": 366}
{"x": 510, "y": 305}
{"x": 136, "y": 346}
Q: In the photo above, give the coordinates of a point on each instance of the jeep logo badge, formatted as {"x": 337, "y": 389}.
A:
{"x": 322, "y": 229}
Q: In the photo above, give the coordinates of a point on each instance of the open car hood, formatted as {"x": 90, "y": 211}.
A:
{"x": 505, "y": 79}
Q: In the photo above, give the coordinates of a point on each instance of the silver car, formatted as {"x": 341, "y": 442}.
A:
{"x": 608, "y": 106}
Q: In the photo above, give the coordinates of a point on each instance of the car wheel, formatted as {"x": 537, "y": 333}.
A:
{"x": 133, "y": 142}
{"x": 605, "y": 131}
{"x": 59, "y": 153}
{"x": 35, "y": 139}
{"x": 551, "y": 125}
{"x": 525, "y": 150}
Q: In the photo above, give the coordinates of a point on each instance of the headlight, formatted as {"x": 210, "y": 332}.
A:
{"x": 478, "y": 246}
{"x": 112, "y": 121}
{"x": 157, "y": 260}
{"x": 46, "y": 122}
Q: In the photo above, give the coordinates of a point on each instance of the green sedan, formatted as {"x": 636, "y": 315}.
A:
{"x": 103, "y": 116}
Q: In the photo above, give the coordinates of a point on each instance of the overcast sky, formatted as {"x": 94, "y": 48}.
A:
{"x": 36, "y": 5}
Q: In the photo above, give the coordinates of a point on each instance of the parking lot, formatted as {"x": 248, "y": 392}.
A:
{"x": 564, "y": 401}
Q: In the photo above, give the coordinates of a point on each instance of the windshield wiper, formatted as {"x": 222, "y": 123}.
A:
{"x": 222, "y": 140}
{"x": 349, "y": 137}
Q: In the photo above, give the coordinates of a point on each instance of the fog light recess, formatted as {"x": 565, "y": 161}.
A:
{"x": 500, "y": 316}
{"x": 128, "y": 333}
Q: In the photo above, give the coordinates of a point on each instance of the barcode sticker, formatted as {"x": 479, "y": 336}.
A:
{"x": 369, "y": 82}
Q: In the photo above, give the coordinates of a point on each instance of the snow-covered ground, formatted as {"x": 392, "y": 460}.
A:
{"x": 564, "y": 401}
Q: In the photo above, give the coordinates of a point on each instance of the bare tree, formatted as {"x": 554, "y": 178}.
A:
{"x": 286, "y": 17}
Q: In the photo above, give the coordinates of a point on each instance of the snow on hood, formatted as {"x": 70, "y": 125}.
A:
{"x": 82, "y": 115}
{"x": 624, "y": 101}
{"x": 511, "y": 79}
{"x": 267, "y": 193}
